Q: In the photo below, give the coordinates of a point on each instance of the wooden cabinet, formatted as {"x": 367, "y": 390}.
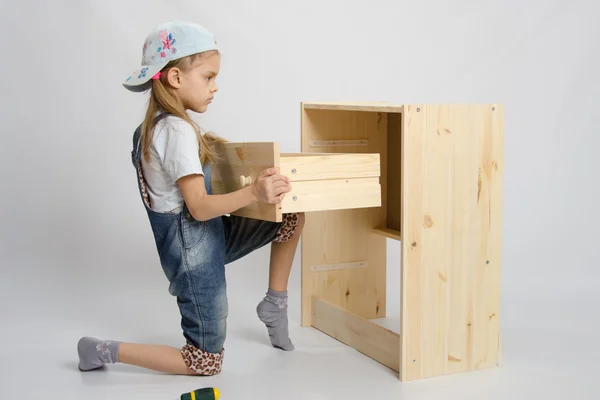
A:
{"x": 441, "y": 189}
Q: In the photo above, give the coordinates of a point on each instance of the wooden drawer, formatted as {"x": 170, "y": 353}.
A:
{"x": 320, "y": 181}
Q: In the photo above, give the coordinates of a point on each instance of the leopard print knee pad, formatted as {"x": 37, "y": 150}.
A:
{"x": 288, "y": 227}
{"x": 202, "y": 362}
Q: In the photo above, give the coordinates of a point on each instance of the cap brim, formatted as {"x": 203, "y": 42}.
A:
{"x": 139, "y": 80}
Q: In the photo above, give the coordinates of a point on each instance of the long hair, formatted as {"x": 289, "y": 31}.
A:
{"x": 162, "y": 100}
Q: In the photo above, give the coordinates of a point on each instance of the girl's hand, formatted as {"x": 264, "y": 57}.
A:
{"x": 270, "y": 186}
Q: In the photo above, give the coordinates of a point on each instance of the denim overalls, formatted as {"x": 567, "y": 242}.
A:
{"x": 193, "y": 255}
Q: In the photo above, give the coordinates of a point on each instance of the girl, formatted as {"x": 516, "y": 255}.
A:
{"x": 194, "y": 237}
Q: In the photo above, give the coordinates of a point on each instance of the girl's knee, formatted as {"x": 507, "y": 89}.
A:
{"x": 301, "y": 220}
{"x": 299, "y": 223}
{"x": 202, "y": 363}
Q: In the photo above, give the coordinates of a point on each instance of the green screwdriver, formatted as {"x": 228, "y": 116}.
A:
{"x": 202, "y": 394}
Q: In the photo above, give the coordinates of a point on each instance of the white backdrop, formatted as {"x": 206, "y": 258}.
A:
{"x": 72, "y": 228}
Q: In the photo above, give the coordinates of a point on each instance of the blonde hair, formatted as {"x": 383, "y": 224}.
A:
{"x": 162, "y": 100}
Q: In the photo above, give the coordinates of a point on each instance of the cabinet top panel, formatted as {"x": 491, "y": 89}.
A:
{"x": 354, "y": 106}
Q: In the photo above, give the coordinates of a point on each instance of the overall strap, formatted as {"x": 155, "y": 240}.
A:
{"x": 137, "y": 139}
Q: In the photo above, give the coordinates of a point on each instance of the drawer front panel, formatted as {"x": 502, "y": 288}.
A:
{"x": 240, "y": 164}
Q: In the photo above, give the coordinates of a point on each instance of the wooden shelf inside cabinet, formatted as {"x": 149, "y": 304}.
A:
{"x": 389, "y": 233}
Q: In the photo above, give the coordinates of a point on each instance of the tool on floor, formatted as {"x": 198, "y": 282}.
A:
{"x": 202, "y": 394}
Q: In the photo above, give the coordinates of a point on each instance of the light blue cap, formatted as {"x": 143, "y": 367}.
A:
{"x": 167, "y": 42}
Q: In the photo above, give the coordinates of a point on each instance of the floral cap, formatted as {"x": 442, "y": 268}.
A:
{"x": 167, "y": 42}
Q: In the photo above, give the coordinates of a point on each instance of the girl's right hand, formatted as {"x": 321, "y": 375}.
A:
{"x": 270, "y": 186}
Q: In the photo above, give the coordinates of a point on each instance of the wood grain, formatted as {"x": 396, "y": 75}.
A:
{"x": 393, "y": 181}
{"x": 304, "y": 167}
{"x": 389, "y": 233}
{"x": 451, "y": 228}
{"x": 355, "y": 106}
{"x": 249, "y": 160}
{"x": 332, "y": 194}
{"x": 345, "y": 236}
{"x": 319, "y": 182}
{"x": 373, "y": 340}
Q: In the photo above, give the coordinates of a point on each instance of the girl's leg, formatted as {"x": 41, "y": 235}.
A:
{"x": 272, "y": 310}
{"x": 282, "y": 257}
{"x": 155, "y": 357}
{"x": 94, "y": 353}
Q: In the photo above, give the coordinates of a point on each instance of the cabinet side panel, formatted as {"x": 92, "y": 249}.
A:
{"x": 451, "y": 229}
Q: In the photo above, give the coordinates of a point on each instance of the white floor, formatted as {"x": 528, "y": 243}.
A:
{"x": 44, "y": 314}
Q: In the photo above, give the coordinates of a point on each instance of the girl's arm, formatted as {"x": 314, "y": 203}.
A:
{"x": 270, "y": 187}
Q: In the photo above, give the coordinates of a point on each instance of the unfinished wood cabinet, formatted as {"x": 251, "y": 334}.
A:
{"x": 441, "y": 169}
{"x": 319, "y": 181}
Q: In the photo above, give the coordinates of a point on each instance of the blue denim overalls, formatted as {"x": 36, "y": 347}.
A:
{"x": 193, "y": 255}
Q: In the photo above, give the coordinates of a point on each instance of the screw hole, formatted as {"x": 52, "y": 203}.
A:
{"x": 418, "y": 109}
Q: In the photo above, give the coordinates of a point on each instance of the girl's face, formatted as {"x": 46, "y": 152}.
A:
{"x": 196, "y": 85}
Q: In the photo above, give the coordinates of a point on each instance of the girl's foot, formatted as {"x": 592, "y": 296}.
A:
{"x": 94, "y": 353}
{"x": 272, "y": 311}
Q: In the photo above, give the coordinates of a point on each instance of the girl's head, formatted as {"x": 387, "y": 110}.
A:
{"x": 180, "y": 63}
{"x": 189, "y": 81}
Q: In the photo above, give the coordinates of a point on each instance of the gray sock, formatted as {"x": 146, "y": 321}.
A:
{"x": 94, "y": 353}
{"x": 272, "y": 310}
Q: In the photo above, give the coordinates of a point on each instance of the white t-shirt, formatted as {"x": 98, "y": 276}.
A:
{"x": 173, "y": 154}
